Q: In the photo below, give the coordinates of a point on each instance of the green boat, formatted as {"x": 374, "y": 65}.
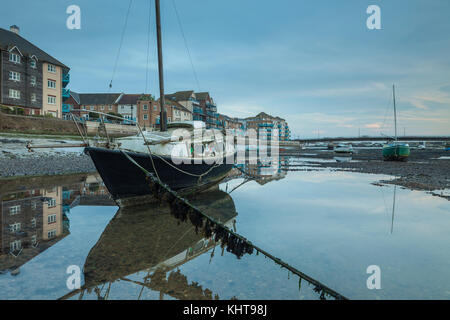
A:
{"x": 395, "y": 151}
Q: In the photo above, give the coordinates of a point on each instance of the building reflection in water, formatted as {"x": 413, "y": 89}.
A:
{"x": 34, "y": 214}
{"x": 32, "y": 220}
{"x": 266, "y": 169}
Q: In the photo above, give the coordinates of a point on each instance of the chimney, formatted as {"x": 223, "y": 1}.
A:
{"x": 14, "y": 29}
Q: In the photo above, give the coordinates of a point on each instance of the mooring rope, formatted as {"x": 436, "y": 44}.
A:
{"x": 236, "y": 243}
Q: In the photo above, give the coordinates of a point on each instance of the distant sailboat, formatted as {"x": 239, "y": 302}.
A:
{"x": 396, "y": 151}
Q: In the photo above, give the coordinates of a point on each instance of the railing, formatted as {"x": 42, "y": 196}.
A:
{"x": 65, "y": 79}
{"x": 65, "y": 93}
{"x": 66, "y": 107}
{"x": 198, "y": 110}
{"x": 265, "y": 125}
{"x": 211, "y": 107}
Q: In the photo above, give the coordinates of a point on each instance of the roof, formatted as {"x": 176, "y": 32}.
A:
{"x": 75, "y": 96}
{"x": 9, "y": 39}
{"x": 264, "y": 115}
{"x": 179, "y": 95}
{"x": 129, "y": 99}
{"x": 97, "y": 98}
{"x": 202, "y": 96}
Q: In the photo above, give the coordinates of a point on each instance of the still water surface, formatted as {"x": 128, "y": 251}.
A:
{"x": 329, "y": 225}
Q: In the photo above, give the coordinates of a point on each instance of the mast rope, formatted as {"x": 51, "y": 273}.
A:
{"x": 186, "y": 43}
{"x": 120, "y": 45}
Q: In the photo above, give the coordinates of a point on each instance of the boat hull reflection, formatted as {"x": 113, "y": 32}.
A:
{"x": 153, "y": 239}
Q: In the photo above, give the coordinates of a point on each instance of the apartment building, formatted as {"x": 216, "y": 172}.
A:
{"x": 207, "y": 111}
{"x": 267, "y": 126}
{"x": 30, "y": 78}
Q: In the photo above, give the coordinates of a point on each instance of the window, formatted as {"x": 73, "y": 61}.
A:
{"x": 51, "y": 203}
{"x": 145, "y": 117}
{"x": 33, "y": 81}
{"x": 51, "y": 218}
{"x": 51, "y": 68}
{"x": 15, "y": 245}
{"x": 33, "y": 63}
{"x": 14, "y": 94}
{"x": 92, "y": 108}
{"x": 14, "y": 210}
{"x": 145, "y": 107}
{"x": 51, "y": 233}
{"x": 14, "y": 76}
{"x": 33, "y": 97}
{"x": 33, "y": 240}
{"x": 110, "y": 107}
{"x": 102, "y": 108}
{"x": 14, "y": 58}
{"x": 154, "y": 108}
{"x": 51, "y": 84}
{"x": 168, "y": 119}
{"x": 33, "y": 223}
{"x": 51, "y": 99}
{"x": 14, "y": 227}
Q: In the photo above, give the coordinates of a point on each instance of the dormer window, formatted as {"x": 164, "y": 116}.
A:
{"x": 13, "y": 57}
{"x": 33, "y": 63}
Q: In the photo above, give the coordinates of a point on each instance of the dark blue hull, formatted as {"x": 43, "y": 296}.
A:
{"x": 125, "y": 180}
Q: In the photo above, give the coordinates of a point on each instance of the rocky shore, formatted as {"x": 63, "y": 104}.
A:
{"x": 45, "y": 165}
{"x": 426, "y": 170}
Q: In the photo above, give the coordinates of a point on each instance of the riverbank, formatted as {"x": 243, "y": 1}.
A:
{"x": 426, "y": 169}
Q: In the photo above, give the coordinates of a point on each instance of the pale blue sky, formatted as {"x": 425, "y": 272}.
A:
{"x": 313, "y": 63}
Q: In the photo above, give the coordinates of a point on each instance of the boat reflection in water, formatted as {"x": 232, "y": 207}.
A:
{"x": 153, "y": 240}
{"x": 343, "y": 158}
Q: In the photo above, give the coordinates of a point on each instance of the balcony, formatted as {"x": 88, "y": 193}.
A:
{"x": 198, "y": 110}
{"x": 265, "y": 125}
{"x": 65, "y": 93}
{"x": 65, "y": 79}
{"x": 66, "y": 107}
{"x": 211, "y": 107}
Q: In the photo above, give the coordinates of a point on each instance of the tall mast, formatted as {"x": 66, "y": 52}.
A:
{"x": 395, "y": 112}
{"x": 163, "y": 114}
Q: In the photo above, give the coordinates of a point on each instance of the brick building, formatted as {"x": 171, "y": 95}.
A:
{"x": 30, "y": 78}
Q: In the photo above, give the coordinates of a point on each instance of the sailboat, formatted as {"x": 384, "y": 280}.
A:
{"x": 395, "y": 151}
{"x": 182, "y": 155}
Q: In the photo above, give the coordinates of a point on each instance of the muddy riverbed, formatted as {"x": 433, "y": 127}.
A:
{"x": 427, "y": 169}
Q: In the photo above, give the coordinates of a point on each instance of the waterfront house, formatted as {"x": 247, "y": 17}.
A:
{"x": 127, "y": 107}
{"x": 100, "y": 102}
{"x": 30, "y": 78}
